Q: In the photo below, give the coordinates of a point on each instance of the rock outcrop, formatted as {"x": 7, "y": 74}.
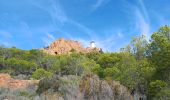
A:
{"x": 70, "y": 87}
{"x": 89, "y": 87}
{"x": 7, "y": 82}
{"x": 62, "y": 46}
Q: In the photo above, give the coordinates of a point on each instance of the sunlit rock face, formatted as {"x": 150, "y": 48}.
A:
{"x": 62, "y": 46}
{"x": 7, "y": 82}
{"x": 93, "y": 88}
{"x": 88, "y": 87}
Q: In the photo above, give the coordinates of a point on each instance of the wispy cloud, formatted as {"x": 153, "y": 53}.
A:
{"x": 48, "y": 38}
{"x": 91, "y": 34}
{"x": 98, "y": 4}
{"x": 5, "y": 38}
{"x": 55, "y": 10}
{"x": 108, "y": 43}
{"x": 59, "y": 18}
{"x": 142, "y": 25}
{"x": 144, "y": 9}
{"x": 5, "y": 34}
{"x": 58, "y": 14}
{"x": 26, "y": 29}
{"x": 120, "y": 35}
{"x": 141, "y": 20}
{"x": 159, "y": 18}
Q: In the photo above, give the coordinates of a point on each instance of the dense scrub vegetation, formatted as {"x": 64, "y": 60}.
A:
{"x": 140, "y": 66}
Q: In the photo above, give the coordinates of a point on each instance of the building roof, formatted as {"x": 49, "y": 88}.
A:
{"x": 92, "y": 42}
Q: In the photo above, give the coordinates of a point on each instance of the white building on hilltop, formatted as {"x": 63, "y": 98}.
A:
{"x": 92, "y": 44}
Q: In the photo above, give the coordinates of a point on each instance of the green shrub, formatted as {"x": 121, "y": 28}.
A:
{"x": 21, "y": 66}
{"x": 98, "y": 70}
{"x": 41, "y": 73}
{"x": 24, "y": 93}
{"x": 156, "y": 86}
{"x": 111, "y": 72}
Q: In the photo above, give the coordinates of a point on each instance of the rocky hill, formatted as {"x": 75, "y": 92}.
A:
{"x": 62, "y": 46}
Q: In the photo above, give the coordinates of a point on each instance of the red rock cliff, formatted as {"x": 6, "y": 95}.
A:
{"x": 7, "y": 82}
{"x": 62, "y": 46}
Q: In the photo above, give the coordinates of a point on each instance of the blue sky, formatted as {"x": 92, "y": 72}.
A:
{"x": 29, "y": 24}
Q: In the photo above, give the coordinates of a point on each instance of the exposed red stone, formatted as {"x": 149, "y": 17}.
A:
{"x": 62, "y": 46}
{"x": 7, "y": 82}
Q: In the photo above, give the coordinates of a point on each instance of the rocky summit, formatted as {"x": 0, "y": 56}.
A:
{"x": 62, "y": 46}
